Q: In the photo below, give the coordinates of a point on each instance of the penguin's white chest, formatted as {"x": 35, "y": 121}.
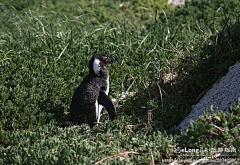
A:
{"x": 107, "y": 90}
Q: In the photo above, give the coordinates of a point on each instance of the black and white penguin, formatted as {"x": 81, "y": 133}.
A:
{"x": 92, "y": 94}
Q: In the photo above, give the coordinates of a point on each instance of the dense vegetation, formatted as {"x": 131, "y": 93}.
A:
{"x": 45, "y": 47}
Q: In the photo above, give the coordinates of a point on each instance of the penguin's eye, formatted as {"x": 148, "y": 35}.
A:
{"x": 103, "y": 88}
{"x": 104, "y": 58}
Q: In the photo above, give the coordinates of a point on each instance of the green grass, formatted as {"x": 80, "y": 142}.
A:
{"x": 44, "y": 52}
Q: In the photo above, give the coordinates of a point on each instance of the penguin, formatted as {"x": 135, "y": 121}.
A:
{"x": 92, "y": 94}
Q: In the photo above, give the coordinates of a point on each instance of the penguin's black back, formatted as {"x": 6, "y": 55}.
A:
{"x": 82, "y": 109}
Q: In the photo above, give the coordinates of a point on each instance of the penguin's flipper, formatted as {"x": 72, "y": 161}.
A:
{"x": 105, "y": 101}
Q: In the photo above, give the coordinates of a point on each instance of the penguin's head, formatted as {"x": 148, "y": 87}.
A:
{"x": 98, "y": 62}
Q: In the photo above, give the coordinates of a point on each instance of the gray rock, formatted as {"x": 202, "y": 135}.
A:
{"x": 224, "y": 93}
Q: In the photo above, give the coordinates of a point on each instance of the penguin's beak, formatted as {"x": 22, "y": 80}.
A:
{"x": 111, "y": 59}
{"x": 107, "y": 60}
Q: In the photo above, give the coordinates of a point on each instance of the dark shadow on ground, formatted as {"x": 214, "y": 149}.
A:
{"x": 196, "y": 75}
